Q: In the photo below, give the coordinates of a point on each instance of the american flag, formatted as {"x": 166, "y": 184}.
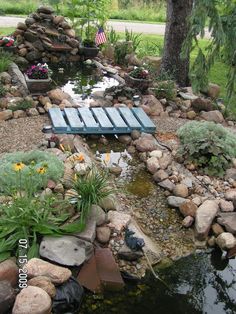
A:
{"x": 100, "y": 37}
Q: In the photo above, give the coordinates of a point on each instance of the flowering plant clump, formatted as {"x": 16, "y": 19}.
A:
{"x": 7, "y": 41}
{"x": 38, "y": 72}
{"x": 139, "y": 73}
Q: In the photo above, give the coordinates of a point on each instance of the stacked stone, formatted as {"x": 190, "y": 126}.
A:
{"x": 47, "y": 37}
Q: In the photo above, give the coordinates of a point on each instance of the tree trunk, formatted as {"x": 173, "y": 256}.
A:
{"x": 178, "y": 12}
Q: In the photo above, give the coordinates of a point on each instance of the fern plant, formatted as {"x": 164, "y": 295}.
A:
{"x": 208, "y": 145}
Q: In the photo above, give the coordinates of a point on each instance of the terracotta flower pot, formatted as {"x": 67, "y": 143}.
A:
{"x": 141, "y": 84}
{"x": 38, "y": 85}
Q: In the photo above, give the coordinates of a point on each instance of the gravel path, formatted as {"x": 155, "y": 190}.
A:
{"x": 169, "y": 124}
{"x": 21, "y": 134}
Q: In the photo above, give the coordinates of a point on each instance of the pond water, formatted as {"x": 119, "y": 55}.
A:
{"x": 199, "y": 283}
{"x": 80, "y": 80}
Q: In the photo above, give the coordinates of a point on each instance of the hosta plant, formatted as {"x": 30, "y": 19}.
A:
{"x": 208, "y": 146}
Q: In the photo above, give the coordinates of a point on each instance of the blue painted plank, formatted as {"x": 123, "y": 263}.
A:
{"x": 73, "y": 119}
{"x": 144, "y": 119}
{"x": 88, "y": 119}
{"x": 116, "y": 119}
{"x": 130, "y": 119}
{"x": 58, "y": 120}
{"x": 102, "y": 118}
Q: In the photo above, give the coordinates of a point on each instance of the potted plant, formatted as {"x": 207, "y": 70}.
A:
{"x": 8, "y": 43}
{"x": 138, "y": 78}
{"x": 37, "y": 78}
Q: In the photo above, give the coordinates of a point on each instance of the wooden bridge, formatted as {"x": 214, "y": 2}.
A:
{"x": 100, "y": 120}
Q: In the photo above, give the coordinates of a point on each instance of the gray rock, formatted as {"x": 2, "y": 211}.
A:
{"x": 33, "y": 55}
{"x": 160, "y": 175}
{"x": 125, "y": 139}
{"x": 98, "y": 214}
{"x": 146, "y": 143}
{"x": 205, "y": 214}
{"x": 228, "y": 220}
{"x": 187, "y": 221}
{"x": 115, "y": 170}
{"x": 103, "y": 234}
{"x": 175, "y": 201}
{"x": 32, "y": 300}
{"x": 226, "y": 206}
{"x": 230, "y": 195}
{"x": 127, "y": 254}
{"x": 154, "y": 105}
{"x": 214, "y": 115}
{"x": 118, "y": 220}
{"x": 135, "y": 134}
{"x": 181, "y": 190}
{"x": 7, "y": 296}
{"x": 45, "y": 9}
{"x": 188, "y": 96}
{"x": 188, "y": 182}
{"x": 89, "y": 232}
{"x": 230, "y": 174}
{"x": 153, "y": 164}
{"x": 167, "y": 184}
{"x": 5, "y": 78}
{"x": 66, "y": 250}
{"x": 109, "y": 203}
{"x": 33, "y": 112}
{"x": 165, "y": 161}
{"x": 156, "y": 153}
{"x": 226, "y": 241}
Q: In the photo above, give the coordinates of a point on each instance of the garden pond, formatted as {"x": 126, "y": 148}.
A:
{"x": 80, "y": 80}
{"x": 200, "y": 282}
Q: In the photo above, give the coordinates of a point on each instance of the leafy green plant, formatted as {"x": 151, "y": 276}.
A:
{"x": 23, "y": 105}
{"x": 134, "y": 38}
{"x": 121, "y": 50}
{"x": 113, "y": 37}
{"x": 31, "y": 218}
{"x": 165, "y": 89}
{"x": 33, "y": 164}
{"x": 5, "y": 60}
{"x": 92, "y": 188}
{"x": 207, "y": 145}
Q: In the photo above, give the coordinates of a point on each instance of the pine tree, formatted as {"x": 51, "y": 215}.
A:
{"x": 220, "y": 15}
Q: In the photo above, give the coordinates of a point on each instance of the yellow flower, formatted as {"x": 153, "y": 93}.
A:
{"x": 107, "y": 158}
{"x": 18, "y": 166}
{"x": 41, "y": 170}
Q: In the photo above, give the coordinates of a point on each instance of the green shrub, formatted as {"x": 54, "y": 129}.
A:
{"x": 121, "y": 50}
{"x": 5, "y": 60}
{"x": 92, "y": 188}
{"x": 29, "y": 175}
{"x": 23, "y": 105}
{"x": 207, "y": 145}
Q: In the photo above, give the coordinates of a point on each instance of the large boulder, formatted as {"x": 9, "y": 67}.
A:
{"x": 32, "y": 300}
{"x": 57, "y": 95}
{"x": 66, "y": 250}
{"x": 205, "y": 215}
{"x": 38, "y": 267}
